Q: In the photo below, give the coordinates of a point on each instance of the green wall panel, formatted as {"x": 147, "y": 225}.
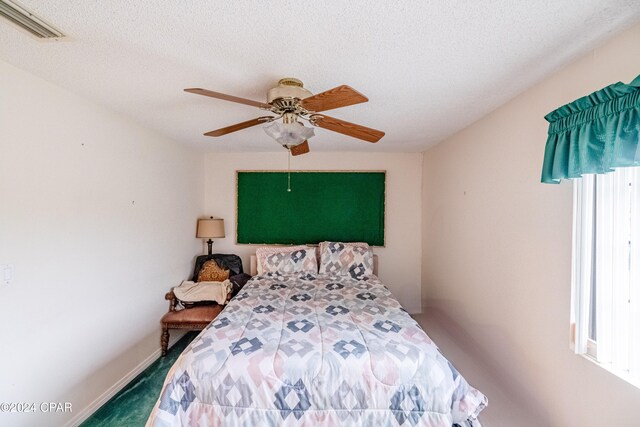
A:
{"x": 333, "y": 206}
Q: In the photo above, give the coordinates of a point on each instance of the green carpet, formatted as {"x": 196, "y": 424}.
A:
{"x": 133, "y": 404}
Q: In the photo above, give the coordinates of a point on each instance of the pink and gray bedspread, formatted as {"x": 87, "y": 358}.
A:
{"x": 314, "y": 350}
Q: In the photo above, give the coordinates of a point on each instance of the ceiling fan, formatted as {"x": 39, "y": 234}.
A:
{"x": 291, "y": 102}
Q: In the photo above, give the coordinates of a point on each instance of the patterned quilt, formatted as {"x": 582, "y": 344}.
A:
{"x": 314, "y": 350}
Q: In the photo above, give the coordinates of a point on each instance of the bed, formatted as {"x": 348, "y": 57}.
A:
{"x": 298, "y": 347}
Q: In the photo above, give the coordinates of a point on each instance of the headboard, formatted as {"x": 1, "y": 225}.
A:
{"x": 253, "y": 266}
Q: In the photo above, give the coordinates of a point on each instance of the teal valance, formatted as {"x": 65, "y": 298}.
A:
{"x": 594, "y": 134}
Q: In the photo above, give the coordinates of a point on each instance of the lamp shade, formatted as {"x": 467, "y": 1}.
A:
{"x": 289, "y": 134}
{"x": 210, "y": 228}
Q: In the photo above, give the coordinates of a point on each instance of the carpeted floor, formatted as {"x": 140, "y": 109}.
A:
{"x": 133, "y": 404}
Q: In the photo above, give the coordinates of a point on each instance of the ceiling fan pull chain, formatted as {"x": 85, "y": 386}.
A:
{"x": 289, "y": 171}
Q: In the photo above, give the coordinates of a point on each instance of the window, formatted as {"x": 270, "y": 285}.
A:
{"x": 606, "y": 271}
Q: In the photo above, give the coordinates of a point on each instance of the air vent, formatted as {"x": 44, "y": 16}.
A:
{"x": 28, "y": 21}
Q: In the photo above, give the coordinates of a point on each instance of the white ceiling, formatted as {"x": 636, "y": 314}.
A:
{"x": 429, "y": 68}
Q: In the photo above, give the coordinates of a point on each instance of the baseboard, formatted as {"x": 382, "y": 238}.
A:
{"x": 120, "y": 384}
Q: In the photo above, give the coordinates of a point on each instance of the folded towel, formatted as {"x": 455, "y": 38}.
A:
{"x": 189, "y": 291}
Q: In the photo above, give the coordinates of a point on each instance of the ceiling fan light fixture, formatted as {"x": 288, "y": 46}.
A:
{"x": 289, "y": 134}
{"x": 290, "y": 102}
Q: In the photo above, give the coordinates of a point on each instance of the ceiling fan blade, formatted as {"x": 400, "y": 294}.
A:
{"x": 337, "y": 97}
{"x": 300, "y": 149}
{"x": 347, "y": 128}
{"x": 226, "y": 97}
{"x": 239, "y": 126}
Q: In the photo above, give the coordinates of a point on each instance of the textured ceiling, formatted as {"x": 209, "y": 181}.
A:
{"x": 429, "y": 68}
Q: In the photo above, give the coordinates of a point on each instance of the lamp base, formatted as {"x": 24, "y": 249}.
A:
{"x": 209, "y": 245}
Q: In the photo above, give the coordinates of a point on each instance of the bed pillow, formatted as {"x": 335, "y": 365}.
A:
{"x": 212, "y": 272}
{"x": 263, "y": 251}
{"x": 346, "y": 259}
{"x": 286, "y": 259}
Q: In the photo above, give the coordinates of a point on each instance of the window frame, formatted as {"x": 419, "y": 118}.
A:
{"x": 606, "y": 271}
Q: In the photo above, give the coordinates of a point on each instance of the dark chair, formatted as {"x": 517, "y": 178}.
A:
{"x": 196, "y": 316}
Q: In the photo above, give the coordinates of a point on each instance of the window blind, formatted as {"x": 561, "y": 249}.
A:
{"x": 607, "y": 258}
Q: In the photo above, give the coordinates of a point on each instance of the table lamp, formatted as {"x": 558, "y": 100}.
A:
{"x": 210, "y": 228}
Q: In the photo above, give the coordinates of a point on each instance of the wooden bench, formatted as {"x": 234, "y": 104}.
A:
{"x": 194, "y": 318}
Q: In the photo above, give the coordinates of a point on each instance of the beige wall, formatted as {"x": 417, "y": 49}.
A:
{"x": 97, "y": 216}
{"x": 399, "y": 260}
{"x": 497, "y": 249}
